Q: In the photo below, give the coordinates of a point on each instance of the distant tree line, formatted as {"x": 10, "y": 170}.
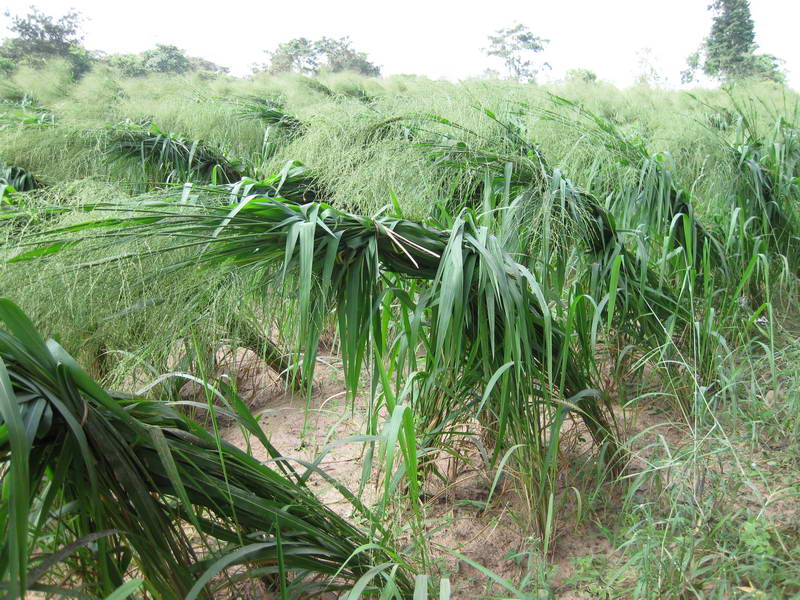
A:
{"x": 40, "y": 37}
{"x": 161, "y": 59}
{"x": 728, "y": 54}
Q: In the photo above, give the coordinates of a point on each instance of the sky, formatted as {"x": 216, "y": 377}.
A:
{"x": 437, "y": 38}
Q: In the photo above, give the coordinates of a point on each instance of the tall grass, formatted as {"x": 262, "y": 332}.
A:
{"x": 531, "y": 263}
{"x": 489, "y": 320}
{"x": 127, "y": 477}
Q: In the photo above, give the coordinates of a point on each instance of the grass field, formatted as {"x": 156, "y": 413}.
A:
{"x": 397, "y": 338}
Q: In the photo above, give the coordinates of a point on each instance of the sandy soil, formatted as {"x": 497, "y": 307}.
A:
{"x": 456, "y": 515}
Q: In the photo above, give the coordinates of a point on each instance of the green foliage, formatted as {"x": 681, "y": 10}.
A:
{"x": 326, "y": 55}
{"x": 24, "y": 113}
{"x": 166, "y": 157}
{"x": 344, "y": 259}
{"x": 161, "y": 59}
{"x": 15, "y": 179}
{"x": 339, "y": 55}
{"x": 129, "y": 65}
{"x": 634, "y": 248}
{"x": 7, "y": 65}
{"x": 41, "y": 36}
{"x": 582, "y": 75}
{"x": 768, "y": 173}
{"x": 705, "y": 545}
{"x": 202, "y": 65}
{"x": 112, "y": 482}
{"x": 517, "y": 47}
{"x": 165, "y": 59}
{"x": 295, "y": 56}
{"x": 728, "y": 54}
{"x": 732, "y": 40}
{"x": 271, "y": 113}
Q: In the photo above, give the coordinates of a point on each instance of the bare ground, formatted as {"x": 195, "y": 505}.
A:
{"x": 457, "y": 516}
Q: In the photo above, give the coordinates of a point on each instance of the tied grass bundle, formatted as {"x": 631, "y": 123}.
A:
{"x": 768, "y": 186}
{"x": 492, "y": 349}
{"x": 24, "y": 114}
{"x": 168, "y": 157}
{"x": 121, "y": 484}
{"x": 12, "y": 180}
{"x": 271, "y": 112}
{"x": 17, "y": 178}
{"x": 659, "y": 203}
{"x": 294, "y": 182}
{"x": 555, "y": 212}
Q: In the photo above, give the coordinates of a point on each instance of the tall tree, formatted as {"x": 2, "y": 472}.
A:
{"x": 728, "y": 53}
{"x": 41, "y": 36}
{"x": 298, "y": 55}
{"x": 518, "y": 48}
{"x": 165, "y": 58}
{"x": 732, "y": 42}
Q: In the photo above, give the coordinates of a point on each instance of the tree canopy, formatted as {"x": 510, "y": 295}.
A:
{"x": 518, "y": 48}
{"x": 728, "y": 53}
{"x": 164, "y": 58}
{"x": 40, "y": 36}
{"x": 582, "y": 75}
{"x": 311, "y": 57}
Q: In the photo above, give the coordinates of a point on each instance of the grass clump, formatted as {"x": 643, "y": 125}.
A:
{"x": 110, "y": 483}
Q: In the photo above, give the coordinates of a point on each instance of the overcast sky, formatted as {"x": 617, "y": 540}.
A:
{"x": 438, "y": 38}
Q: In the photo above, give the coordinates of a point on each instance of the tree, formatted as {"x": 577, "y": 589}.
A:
{"x": 165, "y": 59}
{"x": 308, "y": 57}
{"x": 299, "y": 55}
{"x": 202, "y": 65}
{"x": 582, "y": 75}
{"x": 129, "y": 65}
{"x": 730, "y": 46}
{"x": 341, "y": 56}
{"x": 518, "y": 47}
{"x": 769, "y": 67}
{"x": 649, "y": 71}
{"x": 162, "y": 59}
{"x": 41, "y": 36}
{"x": 728, "y": 53}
